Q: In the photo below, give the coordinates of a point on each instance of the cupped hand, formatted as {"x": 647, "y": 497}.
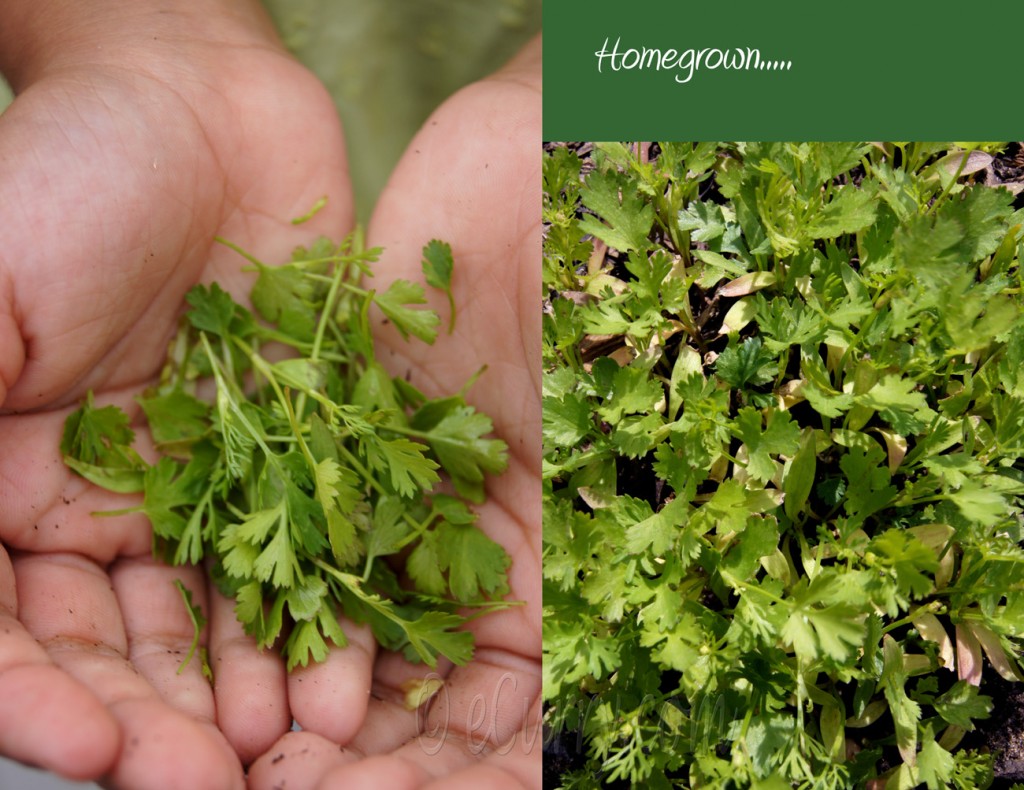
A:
{"x": 471, "y": 177}
{"x": 137, "y": 135}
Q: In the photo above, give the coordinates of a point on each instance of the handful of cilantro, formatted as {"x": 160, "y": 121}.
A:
{"x": 308, "y": 482}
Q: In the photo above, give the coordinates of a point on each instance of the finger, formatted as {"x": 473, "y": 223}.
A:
{"x": 413, "y": 769}
{"x": 306, "y": 760}
{"x": 69, "y": 606}
{"x": 393, "y": 771}
{"x": 487, "y": 701}
{"x": 42, "y": 709}
{"x": 497, "y": 772}
{"x": 250, "y": 687}
{"x": 495, "y": 283}
{"x": 445, "y": 758}
{"x": 391, "y": 720}
{"x": 298, "y": 760}
{"x": 204, "y": 152}
{"x": 518, "y": 762}
{"x": 70, "y": 159}
{"x": 482, "y": 704}
{"x": 330, "y": 698}
{"x": 267, "y": 190}
{"x": 160, "y": 632}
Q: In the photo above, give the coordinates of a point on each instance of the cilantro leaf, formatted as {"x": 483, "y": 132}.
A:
{"x": 171, "y": 489}
{"x": 304, "y": 643}
{"x": 868, "y": 489}
{"x": 404, "y": 461}
{"x": 566, "y": 420}
{"x": 703, "y": 220}
{"x": 214, "y": 311}
{"x": 962, "y": 704}
{"x": 908, "y": 559}
{"x": 954, "y": 469}
{"x": 176, "y": 418}
{"x": 96, "y": 434}
{"x": 460, "y": 442}
{"x": 285, "y": 296}
{"x": 905, "y": 712}
{"x": 760, "y": 538}
{"x": 935, "y": 765}
{"x": 746, "y": 363}
{"x": 629, "y": 218}
{"x": 96, "y": 443}
{"x": 408, "y": 320}
{"x": 338, "y": 496}
{"x": 433, "y": 634}
{"x": 980, "y": 214}
{"x": 437, "y": 271}
{"x": 784, "y": 324}
{"x": 278, "y": 563}
{"x": 475, "y": 564}
{"x": 659, "y": 531}
{"x": 195, "y": 614}
{"x": 816, "y": 627}
{"x": 780, "y": 437}
{"x": 892, "y": 396}
{"x": 850, "y": 210}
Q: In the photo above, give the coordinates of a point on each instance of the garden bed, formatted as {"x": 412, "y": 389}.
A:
{"x": 783, "y": 440}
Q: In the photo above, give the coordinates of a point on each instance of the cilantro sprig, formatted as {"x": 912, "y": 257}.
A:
{"x": 309, "y": 480}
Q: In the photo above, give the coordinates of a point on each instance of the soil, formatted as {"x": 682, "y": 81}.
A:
{"x": 1003, "y": 732}
{"x": 562, "y": 754}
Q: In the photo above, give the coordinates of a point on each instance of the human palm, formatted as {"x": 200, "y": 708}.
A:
{"x": 117, "y": 168}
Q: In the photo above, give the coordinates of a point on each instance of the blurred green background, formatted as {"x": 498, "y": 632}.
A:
{"x": 389, "y": 63}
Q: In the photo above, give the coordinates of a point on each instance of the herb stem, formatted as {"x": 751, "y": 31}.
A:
{"x": 228, "y": 390}
{"x": 942, "y": 196}
{"x": 247, "y": 255}
{"x": 326, "y": 316}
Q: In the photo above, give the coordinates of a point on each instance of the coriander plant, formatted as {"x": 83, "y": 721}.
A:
{"x": 783, "y": 440}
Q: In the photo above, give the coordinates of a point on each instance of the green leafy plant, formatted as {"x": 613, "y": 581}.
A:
{"x": 783, "y": 438}
{"x": 308, "y": 478}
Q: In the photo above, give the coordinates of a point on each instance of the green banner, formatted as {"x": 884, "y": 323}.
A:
{"x": 797, "y": 69}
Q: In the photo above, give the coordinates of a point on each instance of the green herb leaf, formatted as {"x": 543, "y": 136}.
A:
{"x": 629, "y": 218}
{"x": 437, "y": 271}
{"x": 746, "y": 363}
{"x": 408, "y": 320}
{"x": 780, "y": 437}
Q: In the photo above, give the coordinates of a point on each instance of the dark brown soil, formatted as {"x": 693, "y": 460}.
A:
{"x": 1003, "y": 732}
